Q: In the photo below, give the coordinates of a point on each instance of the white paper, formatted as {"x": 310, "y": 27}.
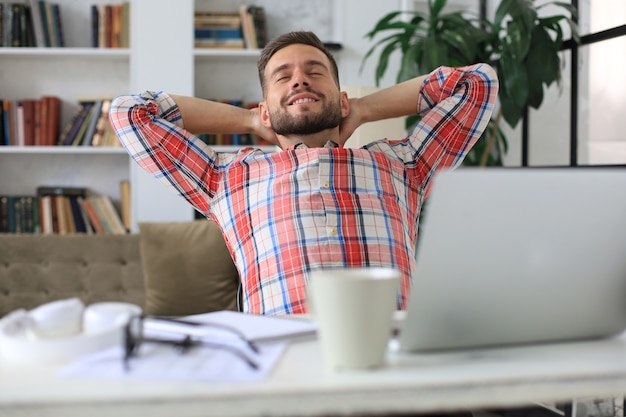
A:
{"x": 261, "y": 328}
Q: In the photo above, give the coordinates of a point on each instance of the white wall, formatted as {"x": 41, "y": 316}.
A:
{"x": 607, "y": 88}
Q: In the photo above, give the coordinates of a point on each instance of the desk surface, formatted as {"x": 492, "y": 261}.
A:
{"x": 301, "y": 386}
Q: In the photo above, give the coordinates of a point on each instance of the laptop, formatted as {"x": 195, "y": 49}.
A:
{"x": 518, "y": 256}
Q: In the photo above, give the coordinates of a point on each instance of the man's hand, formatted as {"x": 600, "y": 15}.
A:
{"x": 351, "y": 122}
{"x": 262, "y": 131}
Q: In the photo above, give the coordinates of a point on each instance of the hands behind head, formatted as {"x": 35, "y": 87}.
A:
{"x": 259, "y": 129}
{"x": 350, "y": 123}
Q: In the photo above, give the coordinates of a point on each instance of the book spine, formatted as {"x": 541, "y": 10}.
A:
{"x": 94, "y": 219}
{"x": 37, "y": 23}
{"x": 79, "y": 223}
{"x": 50, "y": 24}
{"x": 94, "y": 25}
{"x": 58, "y": 25}
{"x": 43, "y": 14}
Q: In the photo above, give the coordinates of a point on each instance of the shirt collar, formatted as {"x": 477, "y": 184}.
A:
{"x": 328, "y": 145}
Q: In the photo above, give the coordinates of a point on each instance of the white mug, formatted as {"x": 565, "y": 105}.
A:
{"x": 354, "y": 311}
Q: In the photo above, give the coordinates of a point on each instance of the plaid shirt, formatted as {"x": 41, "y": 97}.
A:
{"x": 289, "y": 212}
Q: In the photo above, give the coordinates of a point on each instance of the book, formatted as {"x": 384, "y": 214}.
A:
{"x": 29, "y": 121}
{"x": 45, "y": 210}
{"x": 43, "y": 14}
{"x": 69, "y": 126}
{"x": 108, "y": 25}
{"x": 94, "y": 25}
{"x": 116, "y": 25}
{"x": 19, "y": 123}
{"x": 61, "y": 190}
{"x": 69, "y": 215}
{"x": 217, "y": 19}
{"x": 94, "y": 219}
{"x": 54, "y": 215}
{"x": 61, "y": 216}
{"x": 259, "y": 24}
{"x": 111, "y": 215}
{"x": 8, "y": 122}
{"x": 58, "y": 215}
{"x": 99, "y": 211}
{"x": 101, "y": 125}
{"x": 78, "y": 139}
{"x": 84, "y": 215}
{"x": 102, "y": 24}
{"x": 125, "y": 35}
{"x": 37, "y": 124}
{"x": 92, "y": 123}
{"x": 49, "y": 15}
{"x": 58, "y": 25}
{"x": 37, "y": 23}
{"x": 16, "y": 25}
{"x": 50, "y": 123}
{"x": 15, "y": 217}
{"x": 247, "y": 27}
{"x": 30, "y": 213}
{"x": 77, "y": 123}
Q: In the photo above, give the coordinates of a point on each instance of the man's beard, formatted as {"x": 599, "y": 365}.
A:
{"x": 285, "y": 124}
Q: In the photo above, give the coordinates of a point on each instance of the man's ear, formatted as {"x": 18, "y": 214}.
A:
{"x": 265, "y": 115}
{"x": 345, "y": 104}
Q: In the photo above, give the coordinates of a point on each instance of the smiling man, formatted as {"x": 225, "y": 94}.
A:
{"x": 313, "y": 204}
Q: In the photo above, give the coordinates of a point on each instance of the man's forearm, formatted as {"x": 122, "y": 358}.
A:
{"x": 205, "y": 116}
{"x": 395, "y": 101}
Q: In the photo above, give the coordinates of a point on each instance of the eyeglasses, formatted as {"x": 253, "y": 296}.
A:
{"x": 185, "y": 335}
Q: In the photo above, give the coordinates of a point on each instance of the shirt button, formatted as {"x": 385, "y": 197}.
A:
{"x": 333, "y": 231}
{"x": 326, "y": 185}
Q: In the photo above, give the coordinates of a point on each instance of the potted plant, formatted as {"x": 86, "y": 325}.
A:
{"x": 523, "y": 47}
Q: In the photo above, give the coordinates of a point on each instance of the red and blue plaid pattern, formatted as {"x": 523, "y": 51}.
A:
{"x": 289, "y": 212}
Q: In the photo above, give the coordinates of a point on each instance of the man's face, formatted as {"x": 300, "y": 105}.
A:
{"x": 302, "y": 97}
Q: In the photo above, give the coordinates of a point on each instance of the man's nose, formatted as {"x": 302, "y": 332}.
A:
{"x": 300, "y": 79}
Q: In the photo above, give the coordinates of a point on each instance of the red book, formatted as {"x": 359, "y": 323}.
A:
{"x": 37, "y": 124}
{"x": 93, "y": 217}
{"x": 29, "y": 121}
{"x": 52, "y": 120}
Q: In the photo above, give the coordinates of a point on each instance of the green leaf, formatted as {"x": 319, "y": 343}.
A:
{"x": 437, "y": 7}
{"x": 393, "y": 39}
{"x": 502, "y": 11}
{"x": 517, "y": 41}
{"x": 511, "y": 111}
{"x": 408, "y": 67}
{"x": 435, "y": 54}
{"x": 567, "y": 6}
{"x": 543, "y": 63}
{"x": 382, "y": 23}
{"x": 523, "y": 12}
{"x": 384, "y": 60}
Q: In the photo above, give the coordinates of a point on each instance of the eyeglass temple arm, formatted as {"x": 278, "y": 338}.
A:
{"x": 222, "y": 326}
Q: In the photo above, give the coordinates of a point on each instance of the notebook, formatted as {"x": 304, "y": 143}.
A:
{"x": 516, "y": 256}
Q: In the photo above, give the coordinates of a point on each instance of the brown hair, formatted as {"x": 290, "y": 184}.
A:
{"x": 291, "y": 38}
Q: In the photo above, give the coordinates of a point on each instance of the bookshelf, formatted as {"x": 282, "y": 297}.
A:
{"x": 79, "y": 71}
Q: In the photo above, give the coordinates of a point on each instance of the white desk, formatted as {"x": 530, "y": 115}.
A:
{"x": 300, "y": 386}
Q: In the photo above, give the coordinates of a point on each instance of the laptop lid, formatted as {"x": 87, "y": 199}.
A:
{"x": 512, "y": 256}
